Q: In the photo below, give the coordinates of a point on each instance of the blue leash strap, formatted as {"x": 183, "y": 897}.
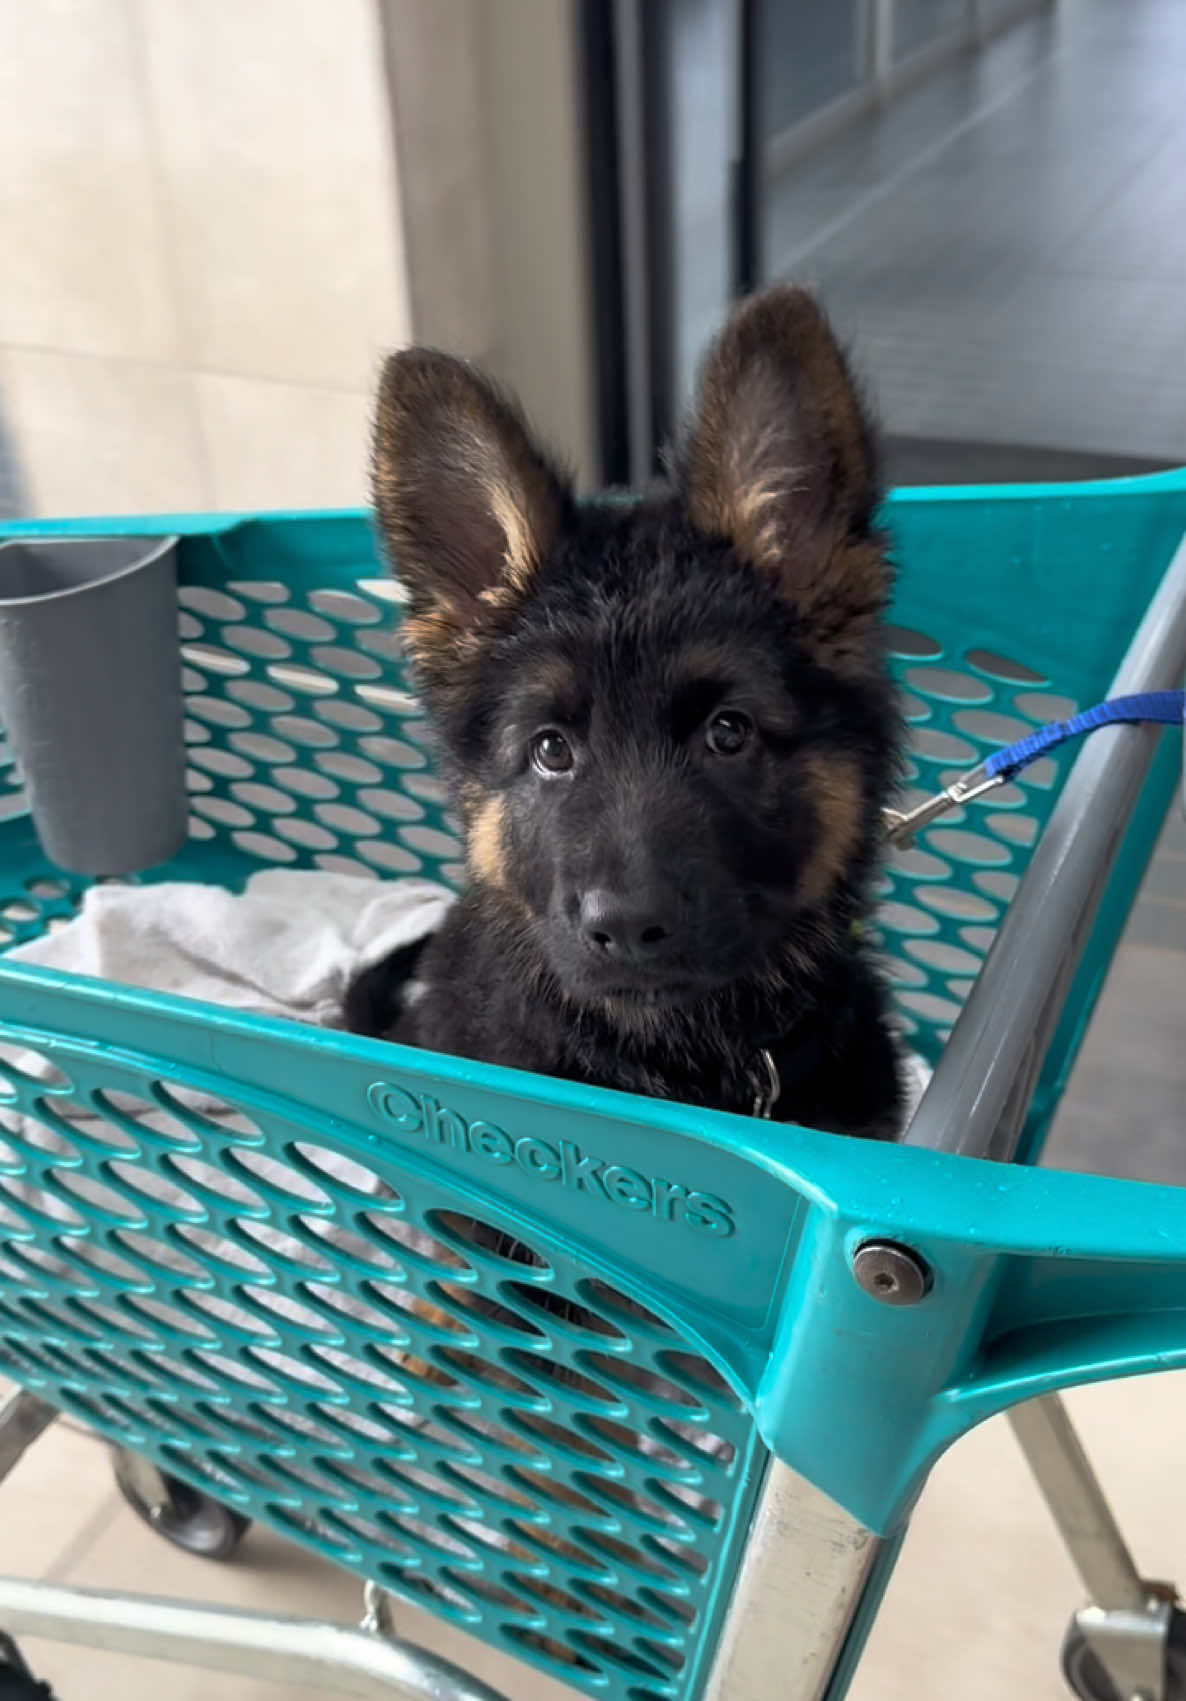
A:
{"x": 1168, "y": 708}
{"x": 1164, "y": 708}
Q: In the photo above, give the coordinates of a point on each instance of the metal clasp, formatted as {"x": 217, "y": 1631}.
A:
{"x": 767, "y": 1085}
{"x": 377, "y": 1619}
{"x": 902, "y": 825}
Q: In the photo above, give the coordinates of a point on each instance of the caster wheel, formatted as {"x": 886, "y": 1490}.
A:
{"x": 191, "y": 1520}
{"x": 1086, "y": 1677}
{"x": 17, "y": 1682}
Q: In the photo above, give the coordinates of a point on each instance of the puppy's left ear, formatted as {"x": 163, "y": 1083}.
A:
{"x": 779, "y": 462}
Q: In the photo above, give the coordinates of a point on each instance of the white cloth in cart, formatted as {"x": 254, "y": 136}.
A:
{"x": 288, "y": 945}
{"x": 916, "y": 1078}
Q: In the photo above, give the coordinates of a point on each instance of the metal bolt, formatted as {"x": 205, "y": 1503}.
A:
{"x": 893, "y": 1274}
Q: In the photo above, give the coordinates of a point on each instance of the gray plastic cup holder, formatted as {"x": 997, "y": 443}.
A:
{"x": 90, "y": 695}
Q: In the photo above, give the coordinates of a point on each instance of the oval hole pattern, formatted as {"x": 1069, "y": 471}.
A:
{"x": 301, "y": 737}
{"x": 942, "y": 901}
{"x": 338, "y": 1347}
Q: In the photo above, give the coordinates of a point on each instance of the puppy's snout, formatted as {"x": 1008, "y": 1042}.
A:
{"x": 641, "y": 927}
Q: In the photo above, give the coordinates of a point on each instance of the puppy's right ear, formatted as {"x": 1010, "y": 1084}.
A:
{"x": 468, "y": 504}
{"x": 779, "y": 463}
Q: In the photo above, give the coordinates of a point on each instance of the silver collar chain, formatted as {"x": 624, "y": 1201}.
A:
{"x": 767, "y": 1085}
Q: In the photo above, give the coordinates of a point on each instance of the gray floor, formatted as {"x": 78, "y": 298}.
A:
{"x": 1006, "y": 246}
{"x": 1124, "y": 1112}
{"x": 1005, "y": 250}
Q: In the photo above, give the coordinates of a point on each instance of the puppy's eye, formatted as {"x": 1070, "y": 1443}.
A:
{"x": 728, "y": 732}
{"x": 551, "y": 753}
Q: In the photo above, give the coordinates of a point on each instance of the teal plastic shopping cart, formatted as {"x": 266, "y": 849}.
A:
{"x": 665, "y": 1445}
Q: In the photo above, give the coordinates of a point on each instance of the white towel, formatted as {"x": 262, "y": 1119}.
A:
{"x": 289, "y": 945}
{"x": 916, "y": 1078}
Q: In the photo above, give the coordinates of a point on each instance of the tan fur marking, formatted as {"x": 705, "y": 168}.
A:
{"x": 412, "y": 1363}
{"x": 746, "y": 474}
{"x": 499, "y": 597}
{"x": 835, "y": 789}
{"x": 487, "y": 853}
{"x": 753, "y": 521}
{"x": 436, "y": 636}
{"x": 468, "y": 504}
{"x": 428, "y": 633}
{"x": 522, "y": 545}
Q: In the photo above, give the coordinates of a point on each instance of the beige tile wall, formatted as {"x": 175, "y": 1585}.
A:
{"x": 202, "y": 250}
{"x": 439, "y": 85}
{"x": 488, "y": 133}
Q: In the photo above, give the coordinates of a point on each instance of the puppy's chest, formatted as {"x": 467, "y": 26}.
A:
{"x": 487, "y": 1014}
{"x": 475, "y": 1006}
{"x": 718, "y": 1077}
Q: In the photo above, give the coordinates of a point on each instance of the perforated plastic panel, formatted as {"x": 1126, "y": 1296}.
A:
{"x": 305, "y": 745}
{"x": 944, "y": 897}
{"x": 472, "y": 1420}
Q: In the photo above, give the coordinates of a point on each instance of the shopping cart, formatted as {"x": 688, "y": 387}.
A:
{"x": 665, "y": 1444}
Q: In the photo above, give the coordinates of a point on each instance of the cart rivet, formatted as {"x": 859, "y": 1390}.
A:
{"x": 892, "y": 1274}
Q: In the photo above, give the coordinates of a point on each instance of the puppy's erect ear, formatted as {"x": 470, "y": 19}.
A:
{"x": 467, "y": 504}
{"x": 779, "y": 462}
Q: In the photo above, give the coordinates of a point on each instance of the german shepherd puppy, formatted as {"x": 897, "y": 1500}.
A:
{"x": 670, "y": 733}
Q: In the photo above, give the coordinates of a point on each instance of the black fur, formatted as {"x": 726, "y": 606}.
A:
{"x": 655, "y": 914}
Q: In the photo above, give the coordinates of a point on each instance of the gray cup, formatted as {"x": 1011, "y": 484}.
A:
{"x": 90, "y": 693}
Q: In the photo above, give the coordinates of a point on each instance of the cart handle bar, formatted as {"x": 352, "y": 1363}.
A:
{"x": 1166, "y": 708}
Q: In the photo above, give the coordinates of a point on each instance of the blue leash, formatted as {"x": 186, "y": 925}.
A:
{"x": 1164, "y": 708}
{"x": 1168, "y": 708}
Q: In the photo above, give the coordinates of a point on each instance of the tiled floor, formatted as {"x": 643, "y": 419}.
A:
{"x": 1006, "y": 246}
{"x": 976, "y": 1609}
{"x": 1124, "y": 1112}
{"x": 64, "y": 1520}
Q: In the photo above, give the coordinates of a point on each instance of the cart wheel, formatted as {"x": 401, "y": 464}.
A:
{"x": 1087, "y": 1678}
{"x": 189, "y": 1519}
{"x": 17, "y": 1682}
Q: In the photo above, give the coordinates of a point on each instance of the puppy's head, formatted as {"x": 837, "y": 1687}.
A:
{"x": 669, "y": 723}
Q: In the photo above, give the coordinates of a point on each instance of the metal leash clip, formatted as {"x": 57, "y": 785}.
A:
{"x": 767, "y": 1085}
{"x": 901, "y": 825}
{"x": 1159, "y": 708}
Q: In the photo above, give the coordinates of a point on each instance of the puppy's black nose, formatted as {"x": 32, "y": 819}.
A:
{"x": 633, "y": 929}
